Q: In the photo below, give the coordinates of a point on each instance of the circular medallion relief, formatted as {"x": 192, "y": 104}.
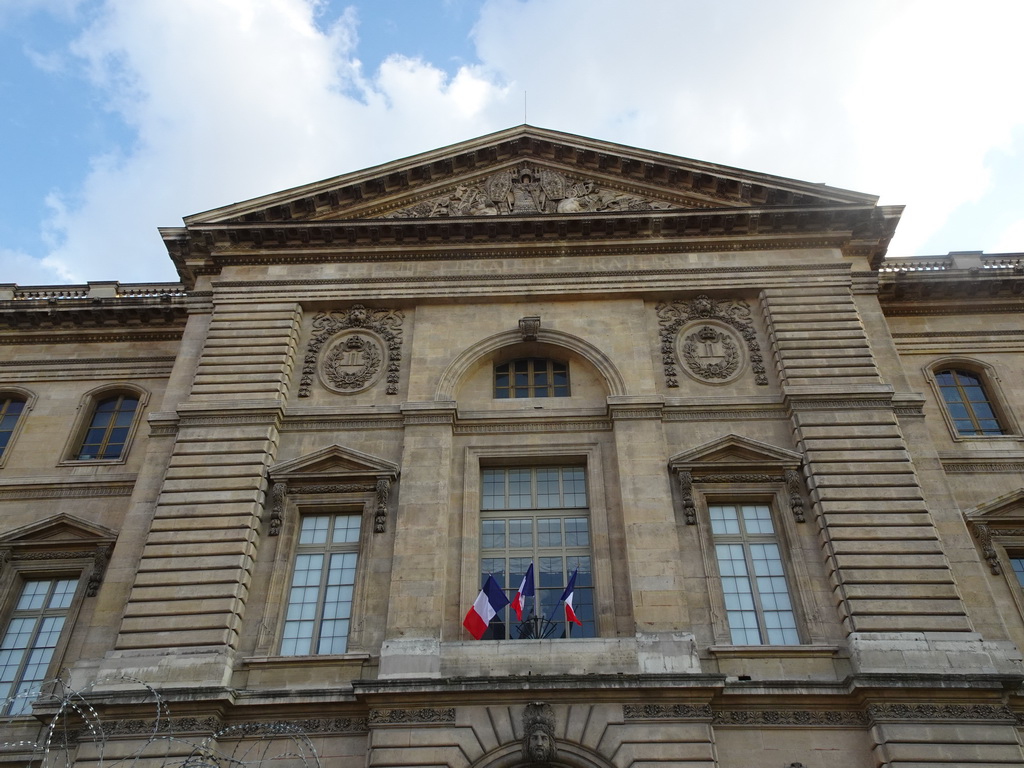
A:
{"x": 710, "y": 352}
{"x": 352, "y": 361}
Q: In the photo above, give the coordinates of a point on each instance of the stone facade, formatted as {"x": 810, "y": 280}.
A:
{"x": 731, "y": 341}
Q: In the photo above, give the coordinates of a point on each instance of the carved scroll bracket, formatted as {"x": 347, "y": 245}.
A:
{"x": 987, "y": 535}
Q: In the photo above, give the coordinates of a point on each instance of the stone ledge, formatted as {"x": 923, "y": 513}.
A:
{"x": 933, "y": 652}
{"x": 647, "y": 653}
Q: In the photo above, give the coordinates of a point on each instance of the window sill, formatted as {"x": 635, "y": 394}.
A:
{"x": 92, "y": 462}
{"x": 775, "y": 651}
{"x": 326, "y": 660}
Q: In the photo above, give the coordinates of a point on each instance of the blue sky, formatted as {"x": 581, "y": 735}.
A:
{"x": 119, "y": 116}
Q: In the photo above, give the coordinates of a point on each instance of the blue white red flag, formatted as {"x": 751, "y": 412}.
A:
{"x": 491, "y": 599}
{"x": 525, "y": 590}
{"x": 570, "y": 614}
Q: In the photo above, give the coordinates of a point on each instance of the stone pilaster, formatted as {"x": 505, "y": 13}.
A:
{"x": 657, "y": 583}
{"x": 416, "y": 607}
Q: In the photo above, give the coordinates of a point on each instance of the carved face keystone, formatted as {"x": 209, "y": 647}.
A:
{"x": 540, "y": 746}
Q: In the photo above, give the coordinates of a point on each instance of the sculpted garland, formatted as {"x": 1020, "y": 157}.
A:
{"x": 350, "y": 348}
{"x": 710, "y": 352}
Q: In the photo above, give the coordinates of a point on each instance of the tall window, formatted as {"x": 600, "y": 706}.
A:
{"x": 757, "y": 601}
{"x": 967, "y": 403}
{"x": 30, "y": 639}
{"x": 10, "y": 411}
{"x": 531, "y": 377}
{"x": 109, "y": 428}
{"x": 538, "y": 515}
{"x": 320, "y": 599}
{"x": 1018, "y": 569}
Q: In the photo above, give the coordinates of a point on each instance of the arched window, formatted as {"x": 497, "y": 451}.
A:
{"x": 531, "y": 377}
{"x": 11, "y": 408}
{"x": 109, "y": 428}
{"x": 968, "y": 404}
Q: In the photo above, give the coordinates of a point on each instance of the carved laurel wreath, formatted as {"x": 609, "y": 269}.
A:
{"x": 386, "y": 323}
{"x": 673, "y": 315}
{"x": 721, "y": 370}
{"x": 355, "y": 379}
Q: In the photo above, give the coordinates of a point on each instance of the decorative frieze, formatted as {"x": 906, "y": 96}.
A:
{"x": 526, "y": 427}
{"x": 17, "y": 492}
{"x": 352, "y": 349}
{"x": 667, "y": 711}
{"x": 996, "y": 712}
{"x": 704, "y": 338}
{"x": 791, "y": 478}
{"x": 759, "y": 717}
{"x": 424, "y": 715}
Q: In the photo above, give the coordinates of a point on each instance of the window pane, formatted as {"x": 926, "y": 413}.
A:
{"x": 1018, "y": 568}
{"x": 319, "y": 608}
{"x": 541, "y": 534}
{"x": 758, "y": 609}
{"x": 577, "y": 532}
{"x": 519, "y": 496}
{"x": 549, "y": 532}
{"x": 520, "y": 532}
{"x": 967, "y": 404}
{"x": 531, "y": 377}
{"x": 31, "y": 637}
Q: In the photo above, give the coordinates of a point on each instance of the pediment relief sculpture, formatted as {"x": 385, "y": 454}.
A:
{"x": 527, "y": 190}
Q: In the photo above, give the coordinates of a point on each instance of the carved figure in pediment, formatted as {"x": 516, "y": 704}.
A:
{"x": 527, "y": 190}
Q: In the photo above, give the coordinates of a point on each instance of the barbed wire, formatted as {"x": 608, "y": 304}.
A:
{"x": 76, "y": 723}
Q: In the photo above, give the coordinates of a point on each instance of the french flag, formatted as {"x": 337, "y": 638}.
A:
{"x": 525, "y": 590}
{"x": 570, "y": 614}
{"x": 486, "y": 606}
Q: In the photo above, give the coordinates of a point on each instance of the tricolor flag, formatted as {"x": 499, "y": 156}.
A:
{"x": 570, "y": 614}
{"x": 525, "y": 590}
{"x": 486, "y": 606}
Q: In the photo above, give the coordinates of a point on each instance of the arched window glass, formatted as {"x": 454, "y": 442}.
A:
{"x": 531, "y": 377}
{"x": 109, "y": 428}
{"x": 967, "y": 403}
{"x": 11, "y": 408}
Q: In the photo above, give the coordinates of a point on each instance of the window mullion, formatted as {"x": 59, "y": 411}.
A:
{"x": 755, "y": 591}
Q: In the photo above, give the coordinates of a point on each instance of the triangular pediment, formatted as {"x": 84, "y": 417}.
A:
{"x": 735, "y": 453}
{"x": 1007, "y": 509}
{"x": 61, "y": 531}
{"x": 333, "y": 462}
{"x": 528, "y": 171}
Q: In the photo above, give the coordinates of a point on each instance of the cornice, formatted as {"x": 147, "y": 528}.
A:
{"x": 120, "y": 336}
{"x": 206, "y": 248}
{"x": 701, "y": 183}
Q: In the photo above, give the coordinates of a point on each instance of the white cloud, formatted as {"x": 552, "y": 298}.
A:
{"x": 1011, "y": 240}
{"x": 231, "y": 99}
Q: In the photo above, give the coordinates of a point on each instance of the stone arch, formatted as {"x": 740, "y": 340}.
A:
{"x": 458, "y": 368}
{"x": 570, "y": 755}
